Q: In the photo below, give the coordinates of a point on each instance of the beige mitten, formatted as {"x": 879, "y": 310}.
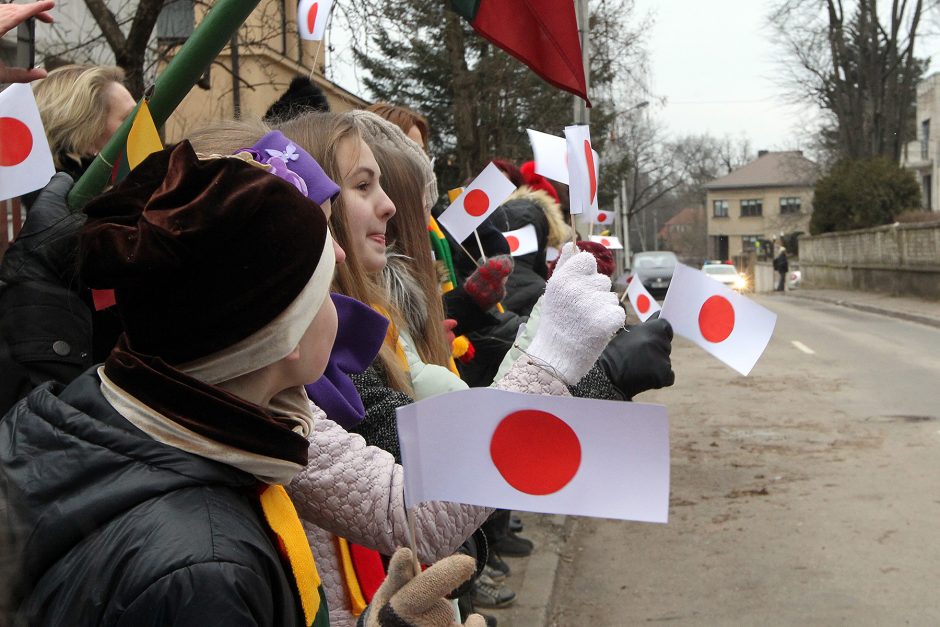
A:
{"x": 404, "y": 600}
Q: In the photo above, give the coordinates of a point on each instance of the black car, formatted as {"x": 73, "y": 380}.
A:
{"x": 655, "y": 269}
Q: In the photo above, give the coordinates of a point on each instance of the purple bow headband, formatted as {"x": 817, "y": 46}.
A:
{"x": 295, "y": 165}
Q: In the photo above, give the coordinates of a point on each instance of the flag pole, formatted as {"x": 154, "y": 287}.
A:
{"x": 480, "y": 245}
{"x": 184, "y": 70}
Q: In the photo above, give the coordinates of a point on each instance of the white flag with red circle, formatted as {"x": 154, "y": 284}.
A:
{"x": 643, "y": 302}
{"x": 312, "y": 18}
{"x": 550, "y": 154}
{"x": 602, "y": 216}
{"x": 551, "y": 454}
{"x": 582, "y": 170}
{"x": 522, "y": 241}
{"x": 726, "y": 324}
{"x": 479, "y": 199}
{"x": 25, "y": 159}
{"x": 608, "y": 241}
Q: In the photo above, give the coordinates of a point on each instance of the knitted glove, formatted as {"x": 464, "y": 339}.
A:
{"x": 404, "y": 600}
{"x": 487, "y": 285}
{"x": 579, "y": 316}
{"x": 637, "y": 359}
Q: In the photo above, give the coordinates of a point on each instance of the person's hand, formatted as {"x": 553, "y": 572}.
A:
{"x": 487, "y": 285}
{"x": 11, "y": 16}
{"x": 405, "y": 599}
{"x": 637, "y": 359}
{"x": 579, "y": 316}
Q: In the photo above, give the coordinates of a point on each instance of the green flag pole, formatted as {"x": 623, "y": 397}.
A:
{"x": 190, "y": 63}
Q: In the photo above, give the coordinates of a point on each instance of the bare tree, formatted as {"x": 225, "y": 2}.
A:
{"x": 856, "y": 64}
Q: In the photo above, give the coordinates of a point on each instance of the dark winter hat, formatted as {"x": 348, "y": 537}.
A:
{"x": 301, "y": 96}
{"x": 204, "y": 253}
{"x": 602, "y": 255}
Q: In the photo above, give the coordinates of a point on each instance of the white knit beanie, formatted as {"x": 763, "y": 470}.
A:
{"x": 377, "y": 129}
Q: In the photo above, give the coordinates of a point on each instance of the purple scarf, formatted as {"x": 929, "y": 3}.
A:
{"x": 359, "y": 337}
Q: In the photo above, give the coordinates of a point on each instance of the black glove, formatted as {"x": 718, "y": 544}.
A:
{"x": 637, "y": 359}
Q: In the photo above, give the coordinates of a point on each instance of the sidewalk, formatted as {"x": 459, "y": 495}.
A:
{"x": 906, "y": 308}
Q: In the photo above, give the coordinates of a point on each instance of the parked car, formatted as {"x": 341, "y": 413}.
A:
{"x": 726, "y": 274}
{"x": 655, "y": 269}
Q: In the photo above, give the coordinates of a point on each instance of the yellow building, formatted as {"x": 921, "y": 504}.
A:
{"x": 249, "y": 77}
{"x": 759, "y": 203}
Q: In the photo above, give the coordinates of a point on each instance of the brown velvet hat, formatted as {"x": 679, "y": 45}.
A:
{"x": 201, "y": 253}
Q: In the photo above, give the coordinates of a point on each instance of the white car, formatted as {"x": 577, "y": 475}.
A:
{"x": 726, "y": 273}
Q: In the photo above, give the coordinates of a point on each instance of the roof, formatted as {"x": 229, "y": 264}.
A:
{"x": 686, "y": 216}
{"x": 771, "y": 169}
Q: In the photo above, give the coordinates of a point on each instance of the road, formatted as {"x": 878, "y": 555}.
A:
{"x": 807, "y": 493}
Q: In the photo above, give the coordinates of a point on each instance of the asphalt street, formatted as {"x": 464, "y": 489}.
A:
{"x": 807, "y": 493}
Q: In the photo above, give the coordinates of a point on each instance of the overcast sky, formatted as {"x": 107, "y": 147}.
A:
{"x": 713, "y": 69}
{"x": 717, "y": 70}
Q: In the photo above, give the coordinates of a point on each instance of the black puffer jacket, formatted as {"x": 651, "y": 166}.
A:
{"x": 527, "y": 281}
{"x": 48, "y": 329}
{"x": 101, "y": 525}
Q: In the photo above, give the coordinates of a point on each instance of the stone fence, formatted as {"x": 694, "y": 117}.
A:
{"x": 901, "y": 259}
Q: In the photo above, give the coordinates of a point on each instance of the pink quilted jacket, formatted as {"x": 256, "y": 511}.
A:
{"x": 356, "y": 491}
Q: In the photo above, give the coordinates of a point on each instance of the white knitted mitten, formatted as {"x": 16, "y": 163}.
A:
{"x": 579, "y": 316}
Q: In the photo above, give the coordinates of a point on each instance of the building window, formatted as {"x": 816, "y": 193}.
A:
{"x": 790, "y": 204}
{"x": 175, "y": 22}
{"x": 720, "y": 208}
{"x": 924, "y": 139}
{"x": 752, "y": 208}
{"x": 928, "y": 192}
{"x": 750, "y": 243}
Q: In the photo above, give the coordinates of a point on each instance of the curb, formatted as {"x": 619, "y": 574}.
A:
{"x": 903, "y": 315}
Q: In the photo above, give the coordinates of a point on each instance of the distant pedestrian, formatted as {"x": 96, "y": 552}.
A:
{"x": 782, "y": 266}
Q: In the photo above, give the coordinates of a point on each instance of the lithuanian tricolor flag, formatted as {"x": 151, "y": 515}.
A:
{"x": 543, "y": 34}
{"x": 142, "y": 141}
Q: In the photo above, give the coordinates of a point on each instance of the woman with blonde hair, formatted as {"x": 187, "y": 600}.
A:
{"x": 371, "y": 512}
{"x": 81, "y": 107}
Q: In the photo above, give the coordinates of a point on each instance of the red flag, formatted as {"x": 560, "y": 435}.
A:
{"x": 543, "y": 34}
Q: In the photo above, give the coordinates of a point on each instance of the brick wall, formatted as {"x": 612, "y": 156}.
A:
{"x": 901, "y": 260}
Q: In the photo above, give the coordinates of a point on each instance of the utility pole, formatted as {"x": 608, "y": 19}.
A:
{"x": 582, "y": 114}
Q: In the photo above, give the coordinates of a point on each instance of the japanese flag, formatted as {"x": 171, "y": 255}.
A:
{"x": 731, "y": 327}
{"x": 582, "y": 170}
{"x": 608, "y": 241}
{"x": 551, "y": 156}
{"x": 476, "y": 203}
{"x": 552, "y": 454}
{"x": 643, "y": 302}
{"x": 603, "y": 217}
{"x": 312, "y": 17}
{"x": 25, "y": 160}
{"x": 522, "y": 241}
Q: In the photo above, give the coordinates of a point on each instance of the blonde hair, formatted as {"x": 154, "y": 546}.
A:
{"x": 73, "y": 104}
{"x": 321, "y": 134}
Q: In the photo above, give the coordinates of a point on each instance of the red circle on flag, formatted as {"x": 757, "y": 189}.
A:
{"x": 17, "y": 142}
{"x": 476, "y": 202}
{"x": 605, "y": 241}
{"x": 643, "y": 303}
{"x": 602, "y": 217}
{"x": 592, "y": 176}
{"x": 716, "y": 319}
{"x": 312, "y": 17}
{"x": 535, "y": 451}
{"x": 513, "y": 242}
